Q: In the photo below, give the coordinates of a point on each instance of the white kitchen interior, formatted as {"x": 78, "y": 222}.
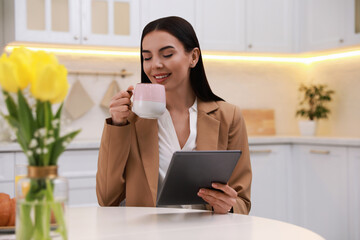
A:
{"x": 256, "y": 54}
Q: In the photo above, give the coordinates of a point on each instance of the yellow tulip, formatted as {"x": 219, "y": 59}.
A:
{"x": 9, "y": 79}
{"x": 22, "y": 59}
{"x": 50, "y": 83}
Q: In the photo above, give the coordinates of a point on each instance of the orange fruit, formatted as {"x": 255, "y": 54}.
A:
{"x": 12, "y": 212}
{"x": 5, "y": 207}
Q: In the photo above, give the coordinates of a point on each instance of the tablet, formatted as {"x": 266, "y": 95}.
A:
{"x": 191, "y": 170}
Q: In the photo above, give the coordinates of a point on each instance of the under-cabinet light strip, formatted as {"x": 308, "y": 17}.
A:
{"x": 134, "y": 53}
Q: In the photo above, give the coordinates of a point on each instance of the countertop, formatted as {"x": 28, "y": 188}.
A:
{"x": 329, "y": 141}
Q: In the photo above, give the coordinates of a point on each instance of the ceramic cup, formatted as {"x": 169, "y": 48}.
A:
{"x": 149, "y": 100}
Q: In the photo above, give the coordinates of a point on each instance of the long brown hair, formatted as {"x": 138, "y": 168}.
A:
{"x": 184, "y": 32}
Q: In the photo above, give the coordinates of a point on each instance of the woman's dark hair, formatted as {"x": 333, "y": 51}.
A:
{"x": 184, "y": 32}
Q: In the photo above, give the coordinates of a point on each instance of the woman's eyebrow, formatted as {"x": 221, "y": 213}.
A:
{"x": 161, "y": 49}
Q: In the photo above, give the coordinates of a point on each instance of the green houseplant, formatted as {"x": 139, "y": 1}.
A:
{"x": 313, "y": 106}
{"x": 32, "y": 83}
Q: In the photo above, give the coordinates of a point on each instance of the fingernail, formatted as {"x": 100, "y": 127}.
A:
{"x": 202, "y": 191}
{"x": 214, "y": 185}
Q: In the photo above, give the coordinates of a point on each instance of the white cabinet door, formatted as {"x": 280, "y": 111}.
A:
{"x": 111, "y": 22}
{"x": 154, "y": 9}
{"x": 322, "y": 24}
{"x": 352, "y": 22}
{"x": 269, "y": 190}
{"x": 46, "y": 21}
{"x": 7, "y": 163}
{"x": 354, "y": 192}
{"x": 220, "y": 25}
{"x": 269, "y": 25}
{"x": 1, "y": 27}
{"x": 320, "y": 190}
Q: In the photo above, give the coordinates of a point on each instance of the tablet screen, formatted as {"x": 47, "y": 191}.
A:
{"x": 191, "y": 170}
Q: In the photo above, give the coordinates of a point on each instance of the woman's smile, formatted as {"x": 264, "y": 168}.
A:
{"x": 161, "y": 77}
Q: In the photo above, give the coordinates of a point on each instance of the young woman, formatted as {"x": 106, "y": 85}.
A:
{"x": 135, "y": 152}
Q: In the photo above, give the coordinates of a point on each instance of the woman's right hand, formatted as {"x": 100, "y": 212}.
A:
{"x": 120, "y": 106}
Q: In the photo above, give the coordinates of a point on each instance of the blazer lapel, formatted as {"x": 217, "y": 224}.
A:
{"x": 147, "y": 136}
{"x": 207, "y": 126}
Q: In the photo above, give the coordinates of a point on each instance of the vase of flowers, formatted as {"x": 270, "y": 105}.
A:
{"x": 312, "y": 107}
{"x": 34, "y": 86}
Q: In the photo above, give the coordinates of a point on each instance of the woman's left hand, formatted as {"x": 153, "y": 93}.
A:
{"x": 222, "y": 202}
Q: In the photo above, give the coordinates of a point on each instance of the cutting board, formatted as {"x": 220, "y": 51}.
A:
{"x": 259, "y": 122}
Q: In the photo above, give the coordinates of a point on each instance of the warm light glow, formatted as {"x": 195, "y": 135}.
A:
{"x": 207, "y": 56}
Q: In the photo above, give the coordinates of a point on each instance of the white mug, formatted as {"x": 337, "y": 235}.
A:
{"x": 149, "y": 100}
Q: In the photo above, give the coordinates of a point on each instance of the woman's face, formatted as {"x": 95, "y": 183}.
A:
{"x": 165, "y": 60}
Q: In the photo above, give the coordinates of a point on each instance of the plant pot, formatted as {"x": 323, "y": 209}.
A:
{"x": 41, "y": 198}
{"x": 307, "y": 127}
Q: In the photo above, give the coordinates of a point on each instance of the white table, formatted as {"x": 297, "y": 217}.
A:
{"x": 114, "y": 223}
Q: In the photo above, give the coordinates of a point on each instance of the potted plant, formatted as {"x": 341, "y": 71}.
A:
{"x": 312, "y": 107}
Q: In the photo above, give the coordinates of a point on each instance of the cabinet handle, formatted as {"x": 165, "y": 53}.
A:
{"x": 341, "y": 40}
{"x": 261, "y": 151}
{"x": 326, "y": 152}
{"x": 250, "y": 46}
{"x": 85, "y": 38}
{"x": 76, "y": 37}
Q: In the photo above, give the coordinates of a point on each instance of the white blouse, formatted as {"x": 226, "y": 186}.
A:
{"x": 169, "y": 143}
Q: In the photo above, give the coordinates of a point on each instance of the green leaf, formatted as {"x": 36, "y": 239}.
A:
{"x": 40, "y": 114}
{"x": 59, "y": 146}
{"x": 10, "y": 105}
{"x": 26, "y": 118}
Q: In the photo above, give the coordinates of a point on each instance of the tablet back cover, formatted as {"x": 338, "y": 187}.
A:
{"x": 191, "y": 170}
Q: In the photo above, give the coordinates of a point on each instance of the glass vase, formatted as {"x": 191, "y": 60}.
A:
{"x": 41, "y": 199}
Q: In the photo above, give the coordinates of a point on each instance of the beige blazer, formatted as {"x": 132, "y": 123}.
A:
{"x": 128, "y": 165}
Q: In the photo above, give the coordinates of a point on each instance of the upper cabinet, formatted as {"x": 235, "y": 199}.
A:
{"x": 95, "y": 22}
{"x": 276, "y": 26}
{"x": 154, "y": 9}
{"x": 220, "y": 24}
{"x": 322, "y": 24}
{"x": 269, "y": 25}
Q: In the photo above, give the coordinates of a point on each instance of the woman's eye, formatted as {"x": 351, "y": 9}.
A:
{"x": 167, "y": 56}
{"x": 147, "y": 59}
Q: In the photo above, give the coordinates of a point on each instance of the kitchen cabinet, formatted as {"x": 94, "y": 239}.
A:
{"x": 352, "y": 22}
{"x": 269, "y": 190}
{"x": 354, "y": 192}
{"x": 320, "y": 190}
{"x": 79, "y": 168}
{"x": 90, "y": 22}
{"x": 322, "y": 24}
{"x": 269, "y": 25}
{"x": 1, "y": 27}
{"x": 220, "y": 25}
{"x": 7, "y": 177}
{"x": 154, "y": 9}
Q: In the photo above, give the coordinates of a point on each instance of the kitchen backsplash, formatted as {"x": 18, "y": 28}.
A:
{"x": 250, "y": 85}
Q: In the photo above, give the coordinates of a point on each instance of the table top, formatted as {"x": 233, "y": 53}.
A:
{"x": 92, "y": 223}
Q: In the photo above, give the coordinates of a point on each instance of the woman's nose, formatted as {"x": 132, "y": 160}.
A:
{"x": 157, "y": 63}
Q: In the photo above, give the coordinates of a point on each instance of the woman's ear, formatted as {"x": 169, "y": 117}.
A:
{"x": 195, "y": 54}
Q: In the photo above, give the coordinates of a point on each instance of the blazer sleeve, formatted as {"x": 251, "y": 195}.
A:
{"x": 240, "y": 179}
{"x": 113, "y": 154}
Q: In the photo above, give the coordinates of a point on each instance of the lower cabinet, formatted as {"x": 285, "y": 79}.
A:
{"x": 269, "y": 190}
{"x": 79, "y": 168}
{"x": 354, "y": 193}
{"x": 7, "y": 169}
{"x": 320, "y": 190}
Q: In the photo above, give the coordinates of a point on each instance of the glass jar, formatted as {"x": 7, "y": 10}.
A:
{"x": 41, "y": 199}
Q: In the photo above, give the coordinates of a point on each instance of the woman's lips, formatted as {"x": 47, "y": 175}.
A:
{"x": 161, "y": 77}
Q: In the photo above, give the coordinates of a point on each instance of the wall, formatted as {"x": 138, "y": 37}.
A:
{"x": 1, "y": 27}
{"x": 246, "y": 84}
{"x": 343, "y": 76}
